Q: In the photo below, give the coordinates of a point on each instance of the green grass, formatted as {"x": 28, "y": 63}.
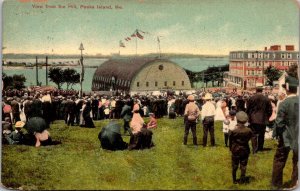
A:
{"x": 79, "y": 162}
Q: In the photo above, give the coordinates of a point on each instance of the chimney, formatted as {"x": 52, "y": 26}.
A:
{"x": 275, "y": 47}
{"x": 266, "y": 48}
{"x": 289, "y": 48}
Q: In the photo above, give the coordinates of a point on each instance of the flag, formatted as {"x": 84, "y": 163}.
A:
{"x": 122, "y": 44}
{"x": 127, "y": 39}
{"x": 139, "y": 35}
{"x": 133, "y": 35}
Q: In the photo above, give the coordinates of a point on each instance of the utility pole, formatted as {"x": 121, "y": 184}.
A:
{"x": 46, "y": 70}
{"x": 36, "y": 71}
{"x": 82, "y": 68}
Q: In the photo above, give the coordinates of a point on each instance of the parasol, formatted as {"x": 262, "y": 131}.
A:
{"x": 110, "y": 137}
{"x": 36, "y": 124}
{"x": 7, "y": 108}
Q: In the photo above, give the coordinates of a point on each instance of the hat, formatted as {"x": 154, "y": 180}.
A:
{"x": 241, "y": 117}
{"x": 271, "y": 97}
{"x": 207, "y": 96}
{"x": 290, "y": 83}
{"x": 259, "y": 86}
{"x": 152, "y": 114}
{"x": 232, "y": 112}
{"x": 136, "y": 107}
{"x": 19, "y": 124}
{"x": 191, "y": 98}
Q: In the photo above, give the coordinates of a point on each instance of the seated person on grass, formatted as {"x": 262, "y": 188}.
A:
{"x": 141, "y": 137}
{"x": 152, "y": 124}
{"x": 16, "y": 137}
{"x": 43, "y": 138}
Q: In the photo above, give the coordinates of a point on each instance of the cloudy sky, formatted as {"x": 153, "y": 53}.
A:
{"x": 185, "y": 26}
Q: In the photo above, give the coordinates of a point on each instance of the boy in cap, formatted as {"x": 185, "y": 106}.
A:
{"x": 239, "y": 146}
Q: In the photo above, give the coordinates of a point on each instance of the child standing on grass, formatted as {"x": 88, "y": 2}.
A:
{"x": 229, "y": 124}
{"x": 239, "y": 146}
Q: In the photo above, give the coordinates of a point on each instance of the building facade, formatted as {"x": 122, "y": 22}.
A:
{"x": 140, "y": 75}
{"x": 246, "y": 67}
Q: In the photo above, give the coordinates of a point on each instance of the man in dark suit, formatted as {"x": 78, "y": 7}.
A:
{"x": 259, "y": 110}
{"x": 95, "y": 104}
{"x": 286, "y": 129}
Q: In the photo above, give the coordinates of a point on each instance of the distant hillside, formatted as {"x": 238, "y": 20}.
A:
{"x": 164, "y": 55}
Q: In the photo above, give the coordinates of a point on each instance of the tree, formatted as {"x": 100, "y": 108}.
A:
{"x": 71, "y": 77}
{"x": 293, "y": 70}
{"x": 56, "y": 75}
{"x": 18, "y": 81}
{"x": 7, "y": 82}
{"x": 13, "y": 82}
{"x": 272, "y": 74}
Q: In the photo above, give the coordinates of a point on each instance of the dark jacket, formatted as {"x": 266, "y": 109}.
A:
{"x": 238, "y": 140}
{"x": 259, "y": 109}
{"x": 287, "y": 122}
{"x": 126, "y": 113}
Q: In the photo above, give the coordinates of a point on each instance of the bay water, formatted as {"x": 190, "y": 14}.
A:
{"x": 193, "y": 64}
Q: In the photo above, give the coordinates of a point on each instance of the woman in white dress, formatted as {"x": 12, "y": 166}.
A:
{"x": 221, "y": 110}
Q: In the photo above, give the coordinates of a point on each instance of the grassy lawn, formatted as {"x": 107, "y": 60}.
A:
{"x": 79, "y": 162}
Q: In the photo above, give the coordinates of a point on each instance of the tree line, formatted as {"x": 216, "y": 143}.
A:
{"x": 213, "y": 74}
{"x": 56, "y": 75}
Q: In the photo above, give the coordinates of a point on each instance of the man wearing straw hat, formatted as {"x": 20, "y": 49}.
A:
{"x": 286, "y": 129}
{"x": 207, "y": 115}
{"x": 191, "y": 113}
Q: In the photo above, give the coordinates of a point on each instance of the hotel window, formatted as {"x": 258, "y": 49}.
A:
{"x": 182, "y": 83}
{"x": 138, "y": 84}
{"x": 252, "y": 72}
{"x": 147, "y": 84}
{"x": 274, "y": 55}
{"x": 249, "y": 55}
{"x": 156, "y": 84}
{"x": 297, "y": 55}
{"x": 166, "y": 83}
{"x": 282, "y": 55}
{"x": 174, "y": 83}
{"x": 289, "y": 55}
{"x": 252, "y": 56}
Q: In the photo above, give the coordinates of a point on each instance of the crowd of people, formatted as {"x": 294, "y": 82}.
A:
{"x": 245, "y": 116}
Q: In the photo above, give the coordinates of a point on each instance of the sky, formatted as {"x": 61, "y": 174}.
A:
{"x": 207, "y": 27}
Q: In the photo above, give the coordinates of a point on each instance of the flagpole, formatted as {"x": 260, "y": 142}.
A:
{"x": 159, "y": 51}
{"x": 136, "y": 46}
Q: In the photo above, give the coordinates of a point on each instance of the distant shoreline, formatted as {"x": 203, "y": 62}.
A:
{"x": 41, "y": 67}
{"x": 166, "y": 55}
